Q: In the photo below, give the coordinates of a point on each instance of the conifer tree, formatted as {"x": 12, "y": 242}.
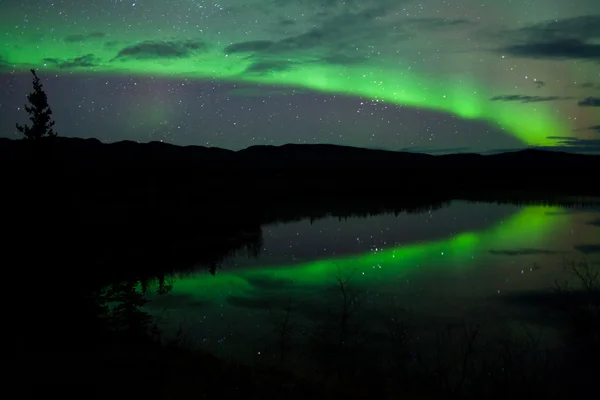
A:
{"x": 40, "y": 113}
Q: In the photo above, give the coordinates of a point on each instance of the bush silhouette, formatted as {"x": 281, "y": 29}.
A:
{"x": 40, "y": 113}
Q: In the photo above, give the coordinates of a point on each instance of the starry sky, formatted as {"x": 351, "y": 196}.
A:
{"x": 435, "y": 76}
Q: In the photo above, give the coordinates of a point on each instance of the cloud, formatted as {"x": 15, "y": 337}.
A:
{"x": 571, "y": 144}
{"x": 254, "y": 92}
{"x": 589, "y": 85}
{"x": 338, "y": 39}
{"x": 563, "y": 144}
{"x": 581, "y": 28}
{"x": 338, "y": 32}
{"x": 595, "y": 128}
{"x": 572, "y": 211}
{"x": 84, "y": 37}
{"x": 265, "y": 67}
{"x": 524, "y": 252}
{"x": 572, "y": 38}
{"x": 559, "y": 49}
{"x": 595, "y": 222}
{"x": 346, "y": 33}
{"x": 590, "y": 102}
{"x": 86, "y": 61}
{"x": 528, "y": 99}
{"x": 111, "y": 43}
{"x": 588, "y": 248}
{"x": 249, "y": 47}
{"x": 427, "y": 150}
{"x": 160, "y": 49}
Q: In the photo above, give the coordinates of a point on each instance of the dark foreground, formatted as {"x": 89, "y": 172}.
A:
{"x": 86, "y": 224}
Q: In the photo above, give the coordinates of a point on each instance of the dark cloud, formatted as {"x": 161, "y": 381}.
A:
{"x": 523, "y": 252}
{"x": 582, "y": 28}
{"x": 588, "y": 248}
{"x": 84, "y": 37}
{"x": 590, "y": 102}
{"x": 528, "y": 99}
{"x": 589, "y": 85}
{"x": 564, "y": 144}
{"x": 343, "y": 37}
{"x": 571, "y": 144}
{"x": 339, "y": 31}
{"x": 266, "y": 67}
{"x": 595, "y": 128}
{"x": 572, "y": 38}
{"x": 111, "y": 43}
{"x": 256, "y": 92}
{"x": 559, "y": 49}
{"x": 572, "y": 211}
{"x": 86, "y": 61}
{"x": 249, "y": 47}
{"x": 427, "y": 150}
{"x": 155, "y": 49}
{"x": 595, "y": 222}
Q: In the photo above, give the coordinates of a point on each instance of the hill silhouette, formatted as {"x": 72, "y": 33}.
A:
{"x": 86, "y": 180}
{"x": 92, "y": 152}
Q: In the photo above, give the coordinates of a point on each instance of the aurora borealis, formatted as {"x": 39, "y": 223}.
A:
{"x": 397, "y": 74}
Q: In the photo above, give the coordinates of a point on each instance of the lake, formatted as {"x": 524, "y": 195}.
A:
{"x": 468, "y": 264}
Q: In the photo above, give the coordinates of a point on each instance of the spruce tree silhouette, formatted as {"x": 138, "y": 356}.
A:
{"x": 40, "y": 113}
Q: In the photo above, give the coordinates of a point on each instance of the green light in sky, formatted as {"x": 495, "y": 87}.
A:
{"x": 466, "y": 97}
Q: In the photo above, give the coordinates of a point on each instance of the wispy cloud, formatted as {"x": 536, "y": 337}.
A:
{"x": 590, "y": 102}
{"x": 588, "y": 248}
{"x": 572, "y": 38}
{"x": 571, "y": 144}
{"x": 524, "y": 252}
{"x": 595, "y": 222}
{"x": 528, "y": 99}
{"x": 429, "y": 150}
{"x": 161, "y": 50}
{"x": 86, "y": 61}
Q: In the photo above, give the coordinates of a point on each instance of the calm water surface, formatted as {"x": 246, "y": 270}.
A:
{"x": 445, "y": 267}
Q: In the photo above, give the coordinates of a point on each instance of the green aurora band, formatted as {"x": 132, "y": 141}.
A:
{"x": 463, "y": 96}
{"x": 529, "y": 227}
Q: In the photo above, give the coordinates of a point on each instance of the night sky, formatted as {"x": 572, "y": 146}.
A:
{"x": 429, "y": 75}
